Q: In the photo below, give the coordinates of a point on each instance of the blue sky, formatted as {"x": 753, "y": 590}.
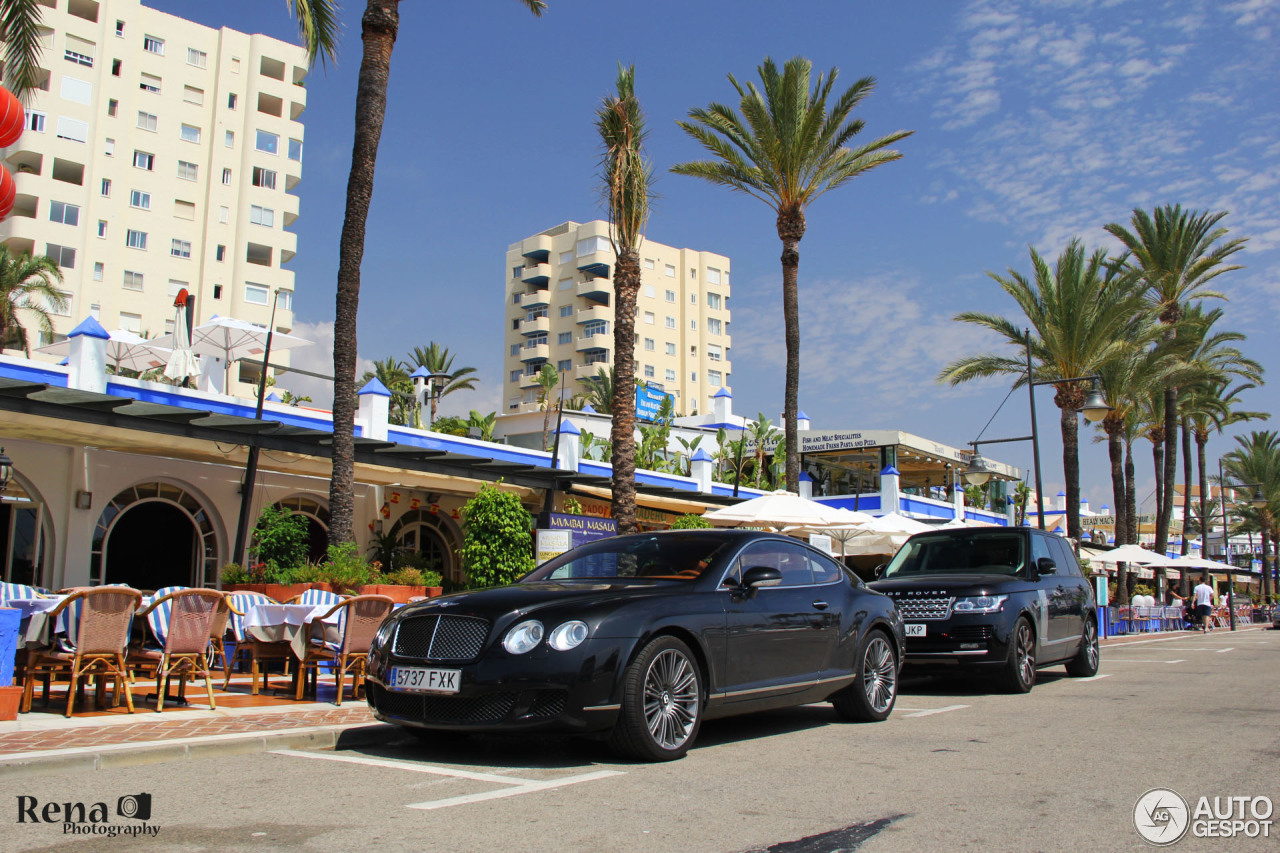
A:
{"x": 1035, "y": 122}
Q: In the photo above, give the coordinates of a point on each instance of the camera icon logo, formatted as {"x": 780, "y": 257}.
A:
{"x": 136, "y": 806}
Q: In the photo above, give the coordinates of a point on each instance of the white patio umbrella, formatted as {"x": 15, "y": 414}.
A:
{"x": 231, "y": 340}
{"x": 182, "y": 361}
{"x": 1128, "y": 554}
{"x": 125, "y": 351}
{"x": 885, "y": 535}
{"x": 779, "y": 510}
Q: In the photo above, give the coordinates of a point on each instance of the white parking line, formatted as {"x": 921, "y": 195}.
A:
{"x": 930, "y": 712}
{"x": 516, "y": 785}
{"x": 1144, "y": 660}
{"x": 1199, "y": 649}
{"x": 1097, "y": 677}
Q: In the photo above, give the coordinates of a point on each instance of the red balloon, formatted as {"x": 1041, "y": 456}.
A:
{"x": 13, "y": 118}
{"x": 8, "y": 192}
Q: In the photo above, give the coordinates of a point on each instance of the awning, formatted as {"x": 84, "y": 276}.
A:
{"x": 670, "y": 504}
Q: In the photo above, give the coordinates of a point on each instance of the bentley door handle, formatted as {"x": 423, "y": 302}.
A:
{"x": 820, "y": 605}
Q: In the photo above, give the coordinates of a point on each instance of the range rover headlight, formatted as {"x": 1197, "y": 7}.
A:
{"x": 523, "y": 637}
{"x": 567, "y": 636}
{"x": 979, "y": 604}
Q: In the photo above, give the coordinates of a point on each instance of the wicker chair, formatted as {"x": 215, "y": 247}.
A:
{"x": 217, "y": 638}
{"x": 256, "y": 650}
{"x": 186, "y": 638}
{"x": 364, "y": 614}
{"x": 100, "y": 638}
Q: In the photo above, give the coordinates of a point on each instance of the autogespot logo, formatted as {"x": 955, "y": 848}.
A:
{"x": 1161, "y": 816}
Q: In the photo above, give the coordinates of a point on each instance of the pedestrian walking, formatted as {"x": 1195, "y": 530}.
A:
{"x": 1204, "y": 595}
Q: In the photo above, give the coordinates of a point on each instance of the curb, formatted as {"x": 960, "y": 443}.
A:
{"x": 63, "y": 761}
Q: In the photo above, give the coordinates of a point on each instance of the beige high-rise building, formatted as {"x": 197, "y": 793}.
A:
{"x": 160, "y": 154}
{"x": 560, "y": 302}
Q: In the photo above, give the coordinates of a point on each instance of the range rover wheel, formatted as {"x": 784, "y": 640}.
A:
{"x": 1085, "y": 663}
{"x": 1019, "y": 674}
{"x": 875, "y": 688}
{"x": 661, "y": 703}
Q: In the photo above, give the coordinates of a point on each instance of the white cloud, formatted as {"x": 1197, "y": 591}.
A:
{"x": 315, "y": 359}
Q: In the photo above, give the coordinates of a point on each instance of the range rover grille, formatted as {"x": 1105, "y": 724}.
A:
{"x": 913, "y": 608}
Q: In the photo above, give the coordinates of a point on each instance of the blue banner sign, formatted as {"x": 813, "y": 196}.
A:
{"x": 648, "y": 401}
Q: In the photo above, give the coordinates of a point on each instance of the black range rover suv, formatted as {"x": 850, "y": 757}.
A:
{"x": 1009, "y": 600}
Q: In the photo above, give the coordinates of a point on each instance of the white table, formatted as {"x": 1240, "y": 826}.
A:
{"x": 290, "y": 623}
{"x": 34, "y": 623}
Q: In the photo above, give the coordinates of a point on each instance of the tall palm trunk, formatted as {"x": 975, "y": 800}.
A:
{"x": 1157, "y": 463}
{"x": 791, "y": 225}
{"x": 1071, "y": 469}
{"x": 1115, "y": 451}
{"x": 1186, "y": 484}
{"x": 379, "y": 27}
{"x": 1202, "y": 440}
{"x": 1170, "y": 468}
{"x": 626, "y": 285}
{"x": 1128, "y": 533}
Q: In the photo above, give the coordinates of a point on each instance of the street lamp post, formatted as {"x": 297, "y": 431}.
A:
{"x": 251, "y": 464}
{"x": 1257, "y": 501}
{"x": 1094, "y": 409}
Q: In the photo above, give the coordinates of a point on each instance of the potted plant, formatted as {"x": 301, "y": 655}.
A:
{"x": 237, "y": 578}
{"x": 404, "y": 584}
{"x": 344, "y": 570}
{"x": 497, "y": 547}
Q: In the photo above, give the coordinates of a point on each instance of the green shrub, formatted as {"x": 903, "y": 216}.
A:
{"x": 344, "y": 569}
{"x": 690, "y": 521}
{"x": 497, "y": 547}
{"x": 280, "y": 539}
{"x": 235, "y": 573}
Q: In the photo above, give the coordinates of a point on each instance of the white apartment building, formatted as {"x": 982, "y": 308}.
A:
{"x": 160, "y": 154}
{"x": 560, "y": 302}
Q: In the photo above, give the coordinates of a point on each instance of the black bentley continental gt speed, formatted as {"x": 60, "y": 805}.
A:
{"x": 640, "y": 638}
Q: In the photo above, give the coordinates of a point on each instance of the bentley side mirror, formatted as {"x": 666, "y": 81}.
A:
{"x": 761, "y": 576}
{"x": 1046, "y": 566}
{"x": 880, "y": 569}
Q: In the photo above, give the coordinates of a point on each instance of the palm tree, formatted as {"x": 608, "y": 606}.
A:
{"x": 1078, "y": 311}
{"x": 1256, "y": 459}
{"x": 484, "y": 423}
{"x": 787, "y": 148}
{"x": 627, "y": 186}
{"x": 20, "y": 32}
{"x": 760, "y": 432}
{"x": 379, "y": 26}
{"x": 1174, "y": 253}
{"x": 437, "y": 359}
{"x": 600, "y": 390}
{"x": 27, "y": 284}
{"x": 548, "y": 378}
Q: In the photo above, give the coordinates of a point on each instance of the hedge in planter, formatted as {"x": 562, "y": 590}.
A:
{"x": 496, "y": 547}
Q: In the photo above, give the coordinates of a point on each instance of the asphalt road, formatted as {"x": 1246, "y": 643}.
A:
{"x": 954, "y": 768}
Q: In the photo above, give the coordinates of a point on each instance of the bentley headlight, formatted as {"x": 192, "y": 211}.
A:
{"x": 384, "y": 634}
{"x": 567, "y": 636}
{"x": 523, "y": 637}
{"x": 980, "y": 604}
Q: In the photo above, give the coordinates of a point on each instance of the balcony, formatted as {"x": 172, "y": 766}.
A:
{"x": 595, "y": 289}
{"x": 535, "y": 299}
{"x": 536, "y": 248}
{"x": 536, "y": 326}
{"x": 529, "y": 380}
{"x": 584, "y": 372}
{"x": 540, "y": 352}
{"x": 538, "y": 273}
{"x": 595, "y": 312}
{"x": 592, "y": 343}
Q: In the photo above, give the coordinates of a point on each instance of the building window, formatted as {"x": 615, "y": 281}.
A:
{"x": 115, "y": 67}
{"x": 131, "y": 322}
{"x": 595, "y": 327}
{"x": 106, "y": 187}
{"x": 670, "y": 348}
{"x": 188, "y": 171}
{"x": 149, "y": 83}
{"x": 713, "y": 378}
{"x": 220, "y": 253}
{"x": 192, "y": 95}
{"x": 649, "y": 344}
{"x": 670, "y": 322}
{"x": 230, "y": 139}
{"x": 175, "y": 287}
{"x": 102, "y": 228}
{"x": 713, "y": 327}
{"x": 591, "y": 245}
{"x": 264, "y": 178}
{"x": 515, "y": 349}
{"x": 109, "y": 147}
{"x": 135, "y": 239}
{"x": 713, "y": 275}
{"x": 63, "y": 256}
{"x": 284, "y": 299}
{"x": 564, "y": 284}
{"x": 669, "y": 271}
{"x": 147, "y": 121}
{"x": 143, "y": 160}
{"x": 120, "y": 29}
{"x": 566, "y": 310}
{"x": 267, "y": 143}
{"x": 226, "y": 177}
{"x": 140, "y": 199}
{"x": 73, "y": 129}
{"x": 693, "y": 325}
{"x": 648, "y": 263}
{"x": 256, "y": 294}
{"x": 295, "y": 150}
{"x": 259, "y": 215}
{"x": 67, "y": 214}
{"x": 564, "y": 338}
{"x": 181, "y": 248}
{"x": 693, "y": 377}
{"x": 671, "y": 296}
{"x": 648, "y": 317}
{"x": 217, "y": 291}
{"x": 539, "y": 340}
{"x": 113, "y": 107}
{"x": 231, "y": 101}
{"x": 713, "y": 301}
{"x": 190, "y": 133}
{"x": 235, "y": 65}
{"x": 648, "y": 371}
{"x": 649, "y": 291}
{"x": 515, "y": 374}
{"x": 132, "y": 280}
{"x": 98, "y": 270}
{"x": 198, "y": 58}
{"x": 671, "y": 375}
{"x": 713, "y": 352}
{"x": 224, "y": 214}
{"x": 566, "y": 257}
{"x": 564, "y": 364}
{"x": 35, "y": 121}
{"x": 151, "y": 44}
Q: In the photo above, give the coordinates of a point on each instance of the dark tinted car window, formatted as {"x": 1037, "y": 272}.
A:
{"x": 959, "y": 552}
{"x": 1062, "y": 555}
{"x": 1040, "y": 548}
{"x": 791, "y": 560}
{"x": 671, "y": 557}
{"x": 825, "y": 570}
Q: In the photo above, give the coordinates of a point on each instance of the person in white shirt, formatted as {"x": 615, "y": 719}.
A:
{"x": 1204, "y": 604}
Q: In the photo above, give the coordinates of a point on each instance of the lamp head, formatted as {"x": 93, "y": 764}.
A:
{"x": 1258, "y": 501}
{"x": 978, "y": 472}
{"x": 1095, "y": 406}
